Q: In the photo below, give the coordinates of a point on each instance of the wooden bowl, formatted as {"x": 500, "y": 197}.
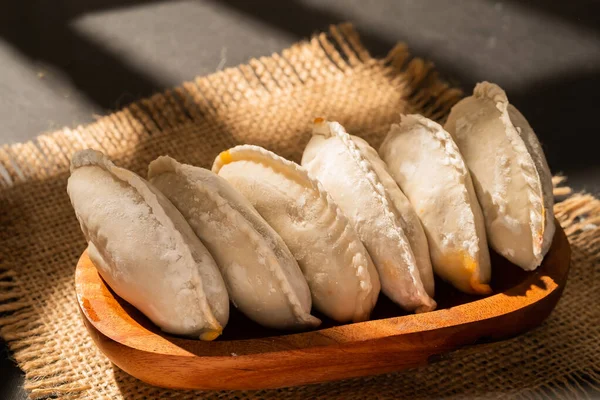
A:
{"x": 248, "y": 356}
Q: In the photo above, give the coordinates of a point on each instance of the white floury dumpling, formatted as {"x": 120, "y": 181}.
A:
{"x": 360, "y": 185}
{"x": 510, "y": 173}
{"x": 427, "y": 165}
{"x": 262, "y": 276}
{"x": 341, "y": 276}
{"x": 145, "y": 250}
{"x": 408, "y": 218}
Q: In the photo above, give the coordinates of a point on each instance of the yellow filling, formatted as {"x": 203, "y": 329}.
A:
{"x": 538, "y": 239}
{"x": 541, "y": 233}
{"x": 478, "y": 287}
{"x": 225, "y": 157}
{"x": 469, "y": 271}
{"x": 543, "y": 215}
{"x": 319, "y": 120}
{"x": 209, "y": 336}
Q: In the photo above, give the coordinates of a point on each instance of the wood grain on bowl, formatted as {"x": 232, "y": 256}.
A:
{"x": 248, "y": 356}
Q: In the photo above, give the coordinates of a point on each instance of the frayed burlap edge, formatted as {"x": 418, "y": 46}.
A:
{"x": 337, "y": 53}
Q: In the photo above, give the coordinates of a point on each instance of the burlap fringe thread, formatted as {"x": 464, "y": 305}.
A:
{"x": 71, "y": 366}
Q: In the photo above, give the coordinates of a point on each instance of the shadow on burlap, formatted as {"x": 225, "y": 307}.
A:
{"x": 269, "y": 102}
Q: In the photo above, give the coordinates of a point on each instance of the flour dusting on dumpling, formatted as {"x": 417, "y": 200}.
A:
{"x": 262, "y": 276}
{"x": 359, "y": 183}
{"x": 342, "y": 278}
{"x": 429, "y": 169}
{"x": 511, "y": 176}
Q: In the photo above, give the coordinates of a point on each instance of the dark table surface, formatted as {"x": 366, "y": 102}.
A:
{"x": 62, "y": 62}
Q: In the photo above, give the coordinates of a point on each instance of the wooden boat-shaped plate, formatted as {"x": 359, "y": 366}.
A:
{"x": 248, "y": 356}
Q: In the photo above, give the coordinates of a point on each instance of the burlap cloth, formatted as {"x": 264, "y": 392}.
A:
{"x": 269, "y": 102}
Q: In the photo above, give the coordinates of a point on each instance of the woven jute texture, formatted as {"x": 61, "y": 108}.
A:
{"x": 270, "y": 102}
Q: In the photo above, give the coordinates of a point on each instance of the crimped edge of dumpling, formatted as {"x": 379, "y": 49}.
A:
{"x": 540, "y": 220}
{"x": 95, "y": 158}
{"x": 334, "y": 129}
{"x": 437, "y": 132}
{"x": 166, "y": 164}
{"x": 451, "y": 149}
{"x": 299, "y": 175}
{"x": 397, "y": 196}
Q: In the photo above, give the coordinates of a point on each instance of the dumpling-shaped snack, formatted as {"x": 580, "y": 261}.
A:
{"x": 341, "y": 276}
{"x": 408, "y": 218}
{"x": 262, "y": 276}
{"x": 341, "y": 164}
{"x": 427, "y": 165}
{"x": 510, "y": 174}
{"x": 145, "y": 250}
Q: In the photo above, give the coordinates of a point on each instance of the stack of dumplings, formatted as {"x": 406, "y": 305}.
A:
{"x": 339, "y": 271}
{"x": 276, "y": 238}
{"x": 427, "y": 165}
{"x": 145, "y": 249}
{"x": 262, "y": 277}
{"x": 345, "y": 165}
